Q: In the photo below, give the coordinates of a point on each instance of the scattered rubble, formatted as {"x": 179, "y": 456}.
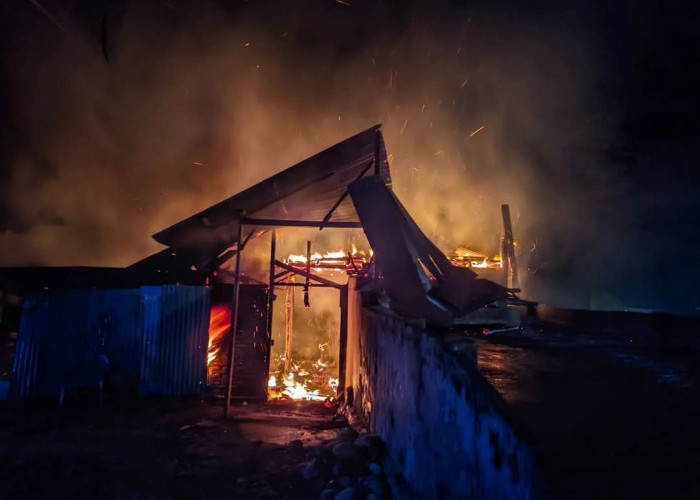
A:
{"x": 348, "y": 467}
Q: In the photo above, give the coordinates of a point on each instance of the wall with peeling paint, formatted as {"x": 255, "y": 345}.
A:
{"x": 445, "y": 436}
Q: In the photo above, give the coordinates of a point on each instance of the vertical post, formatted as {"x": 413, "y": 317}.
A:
{"x": 270, "y": 302}
{"x": 308, "y": 271}
{"x": 377, "y": 153}
{"x": 509, "y": 250}
{"x": 234, "y": 319}
{"x": 343, "y": 341}
{"x": 289, "y": 328}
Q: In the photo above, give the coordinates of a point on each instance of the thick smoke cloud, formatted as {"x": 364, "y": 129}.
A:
{"x": 121, "y": 118}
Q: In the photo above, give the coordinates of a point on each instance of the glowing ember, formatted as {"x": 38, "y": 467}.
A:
{"x": 272, "y": 382}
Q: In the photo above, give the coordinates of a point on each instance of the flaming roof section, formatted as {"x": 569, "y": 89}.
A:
{"x": 305, "y": 191}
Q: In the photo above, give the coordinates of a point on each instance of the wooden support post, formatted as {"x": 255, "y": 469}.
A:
{"x": 343, "y": 340}
{"x": 289, "y": 328}
{"x": 377, "y": 154}
{"x": 509, "y": 250}
{"x": 234, "y": 321}
{"x": 308, "y": 271}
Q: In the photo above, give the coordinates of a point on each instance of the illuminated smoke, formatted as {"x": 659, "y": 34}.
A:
{"x": 120, "y": 125}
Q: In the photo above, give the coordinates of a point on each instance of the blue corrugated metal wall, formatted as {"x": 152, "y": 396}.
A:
{"x": 155, "y": 338}
{"x": 176, "y": 332}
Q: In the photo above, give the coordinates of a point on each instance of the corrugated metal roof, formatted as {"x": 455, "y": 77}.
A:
{"x": 420, "y": 280}
{"x": 305, "y": 191}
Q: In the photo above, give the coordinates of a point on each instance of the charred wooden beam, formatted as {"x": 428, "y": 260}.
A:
{"x": 340, "y": 200}
{"x": 301, "y": 223}
{"x": 312, "y": 276}
{"x": 509, "y": 249}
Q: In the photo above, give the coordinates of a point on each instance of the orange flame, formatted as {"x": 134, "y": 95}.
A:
{"x": 219, "y": 325}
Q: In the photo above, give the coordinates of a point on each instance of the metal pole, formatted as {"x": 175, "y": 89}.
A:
{"x": 234, "y": 321}
{"x": 270, "y": 300}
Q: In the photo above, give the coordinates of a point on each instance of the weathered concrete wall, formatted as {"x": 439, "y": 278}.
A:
{"x": 424, "y": 396}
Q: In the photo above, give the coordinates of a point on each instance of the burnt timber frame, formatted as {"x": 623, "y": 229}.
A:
{"x": 343, "y": 289}
{"x": 286, "y": 269}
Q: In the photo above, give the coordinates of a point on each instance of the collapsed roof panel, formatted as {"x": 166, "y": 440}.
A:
{"x": 305, "y": 191}
{"x": 419, "y": 279}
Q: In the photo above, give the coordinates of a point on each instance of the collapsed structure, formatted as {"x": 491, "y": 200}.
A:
{"x": 164, "y": 319}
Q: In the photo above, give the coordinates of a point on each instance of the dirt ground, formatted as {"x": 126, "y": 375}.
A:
{"x": 153, "y": 449}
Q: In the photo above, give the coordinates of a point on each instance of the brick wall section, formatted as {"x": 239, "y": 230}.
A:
{"x": 423, "y": 395}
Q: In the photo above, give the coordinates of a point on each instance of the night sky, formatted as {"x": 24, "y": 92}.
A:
{"x": 120, "y": 118}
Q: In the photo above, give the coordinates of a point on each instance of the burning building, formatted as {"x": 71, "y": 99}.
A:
{"x": 205, "y": 321}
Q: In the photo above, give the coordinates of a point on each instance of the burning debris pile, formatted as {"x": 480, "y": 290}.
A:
{"x": 349, "y": 467}
{"x": 304, "y": 380}
{"x": 464, "y": 257}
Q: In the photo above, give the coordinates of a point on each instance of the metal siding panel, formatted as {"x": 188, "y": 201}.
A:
{"x": 32, "y": 327}
{"x": 175, "y": 336}
{"x": 66, "y": 341}
{"x": 150, "y": 304}
{"x": 119, "y": 326}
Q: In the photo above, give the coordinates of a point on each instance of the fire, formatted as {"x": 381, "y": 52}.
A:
{"x": 333, "y": 384}
{"x": 300, "y": 390}
{"x": 337, "y": 260}
{"x": 464, "y": 257}
{"x": 305, "y": 379}
{"x": 219, "y": 325}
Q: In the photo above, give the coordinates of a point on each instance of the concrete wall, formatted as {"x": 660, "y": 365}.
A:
{"x": 423, "y": 396}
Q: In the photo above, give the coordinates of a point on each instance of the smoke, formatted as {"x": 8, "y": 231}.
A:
{"x": 132, "y": 116}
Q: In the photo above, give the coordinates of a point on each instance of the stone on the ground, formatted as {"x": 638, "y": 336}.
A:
{"x": 322, "y": 453}
{"x": 297, "y": 444}
{"x": 310, "y": 471}
{"x": 375, "y": 485}
{"x": 372, "y": 445}
{"x": 346, "y": 452}
{"x": 347, "y": 434}
{"x": 345, "y": 481}
{"x": 329, "y": 494}
{"x": 374, "y": 468}
{"x": 372, "y": 496}
{"x": 340, "y": 469}
{"x": 347, "y": 494}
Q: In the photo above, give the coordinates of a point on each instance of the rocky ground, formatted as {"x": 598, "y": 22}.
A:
{"x": 153, "y": 449}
